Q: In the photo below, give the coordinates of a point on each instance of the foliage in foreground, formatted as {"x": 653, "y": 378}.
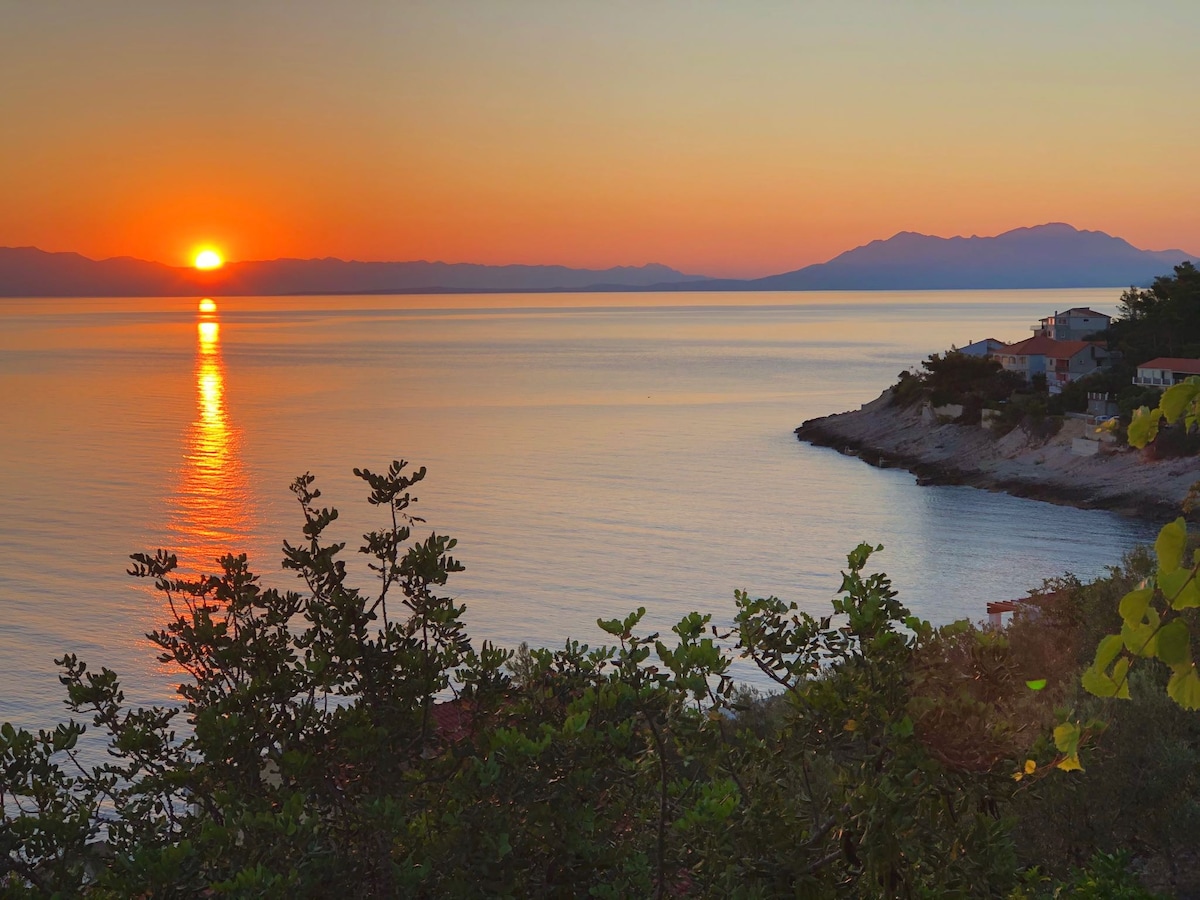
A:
{"x": 333, "y": 739}
{"x": 1159, "y": 617}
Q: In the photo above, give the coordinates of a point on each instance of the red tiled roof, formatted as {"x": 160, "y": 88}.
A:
{"x": 1045, "y": 346}
{"x": 452, "y": 720}
{"x": 1174, "y": 364}
{"x": 1004, "y": 606}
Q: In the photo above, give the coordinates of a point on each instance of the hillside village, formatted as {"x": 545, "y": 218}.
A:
{"x": 1065, "y": 348}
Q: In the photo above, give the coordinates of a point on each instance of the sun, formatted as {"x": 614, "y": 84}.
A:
{"x": 208, "y": 259}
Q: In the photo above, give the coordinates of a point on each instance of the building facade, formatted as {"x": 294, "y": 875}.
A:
{"x": 1060, "y": 361}
{"x": 1075, "y": 324}
{"x": 1166, "y": 371}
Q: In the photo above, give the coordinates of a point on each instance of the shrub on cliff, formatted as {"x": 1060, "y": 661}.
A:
{"x": 956, "y": 378}
{"x": 1029, "y": 412}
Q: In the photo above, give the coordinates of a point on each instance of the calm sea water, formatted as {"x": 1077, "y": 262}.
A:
{"x": 592, "y": 453}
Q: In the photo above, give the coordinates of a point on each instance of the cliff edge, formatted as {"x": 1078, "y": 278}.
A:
{"x": 1123, "y": 480}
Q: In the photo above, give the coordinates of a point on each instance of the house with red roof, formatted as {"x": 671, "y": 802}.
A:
{"x": 1060, "y": 361}
{"x": 1165, "y": 371}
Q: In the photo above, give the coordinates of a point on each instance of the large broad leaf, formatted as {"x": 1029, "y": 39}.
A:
{"x": 1066, "y": 738}
{"x": 1094, "y": 681}
{"x": 1170, "y": 583}
{"x": 1120, "y": 677}
{"x": 1188, "y": 596}
{"x": 1175, "y": 644}
{"x": 1071, "y": 763}
{"x": 1176, "y": 399}
{"x": 1144, "y": 427}
{"x": 1102, "y": 685}
{"x": 1169, "y": 546}
{"x": 1066, "y": 741}
{"x": 1184, "y": 686}
{"x": 1141, "y": 640}
{"x": 1109, "y": 647}
{"x": 1133, "y": 606}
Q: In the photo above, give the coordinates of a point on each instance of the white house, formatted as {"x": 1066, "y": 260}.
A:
{"x": 1166, "y": 371}
{"x": 1074, "y": 324}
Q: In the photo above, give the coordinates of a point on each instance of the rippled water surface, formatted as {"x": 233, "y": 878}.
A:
{"x": 593, "y": 453}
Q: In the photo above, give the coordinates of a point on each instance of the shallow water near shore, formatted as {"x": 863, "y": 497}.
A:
{"x": 592, "y": 453}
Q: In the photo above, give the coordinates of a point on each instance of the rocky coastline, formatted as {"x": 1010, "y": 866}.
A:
{"x": 1119, "y": 479}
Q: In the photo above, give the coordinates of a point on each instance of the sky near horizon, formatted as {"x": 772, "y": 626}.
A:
{"x": 730, "y": 138}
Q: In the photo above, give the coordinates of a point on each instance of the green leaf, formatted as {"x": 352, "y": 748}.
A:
{"x": 1133, "y": 605}
{"x": 1109, "y": 647}
{"x": 1144, "y": 427}
{"x": 1169, "y": 546}
{"x": 1176, "y": 399}
{"x": 1173, "y": 585}
{"x": 1066, "y": 738}
{"x": 1184, "y": 686}
{"x": 1175, "y": 644}
{"x": 1094, "y": 681}
{"x": 611, "y": 626}
{"x": 1188, "y": 596}
{"x": 1120, "y": 678}
{"x": 1036, "y": 684}
{"x": 1140, "y": 640}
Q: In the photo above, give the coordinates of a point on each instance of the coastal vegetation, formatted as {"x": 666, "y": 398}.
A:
{"x": 342, "y": 739}
{"x": 1163, "y": 320}
{"x": 955, "y": 378}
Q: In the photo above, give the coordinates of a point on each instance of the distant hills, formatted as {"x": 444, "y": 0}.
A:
{"x": 1046, "y": 256}
{"x": 29, "y": 272}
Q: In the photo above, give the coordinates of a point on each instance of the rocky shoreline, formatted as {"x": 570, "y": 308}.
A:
{"x": 1121, "y": 480}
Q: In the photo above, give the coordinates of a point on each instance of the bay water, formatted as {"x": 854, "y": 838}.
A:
{"x": 592, "y": 453}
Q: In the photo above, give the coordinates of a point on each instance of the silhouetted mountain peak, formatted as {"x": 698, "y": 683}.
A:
{"x": 1050, "y": 228}
{"x": 1055, "y": 254}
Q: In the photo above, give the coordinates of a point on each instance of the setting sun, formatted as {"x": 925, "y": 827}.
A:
{"x": 208, "y": 259}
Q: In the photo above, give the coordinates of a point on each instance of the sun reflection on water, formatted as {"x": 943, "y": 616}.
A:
{"x": 213, "y": 513}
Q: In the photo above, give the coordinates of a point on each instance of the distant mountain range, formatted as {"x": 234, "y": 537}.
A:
{"x": 29, "y": 272}
{"x": 1046, "y": 256}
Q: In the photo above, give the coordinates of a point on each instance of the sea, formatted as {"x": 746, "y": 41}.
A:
{"x": 592, "y": 453}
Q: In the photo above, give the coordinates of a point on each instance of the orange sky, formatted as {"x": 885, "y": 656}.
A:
{"x": 718, "y": 138}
